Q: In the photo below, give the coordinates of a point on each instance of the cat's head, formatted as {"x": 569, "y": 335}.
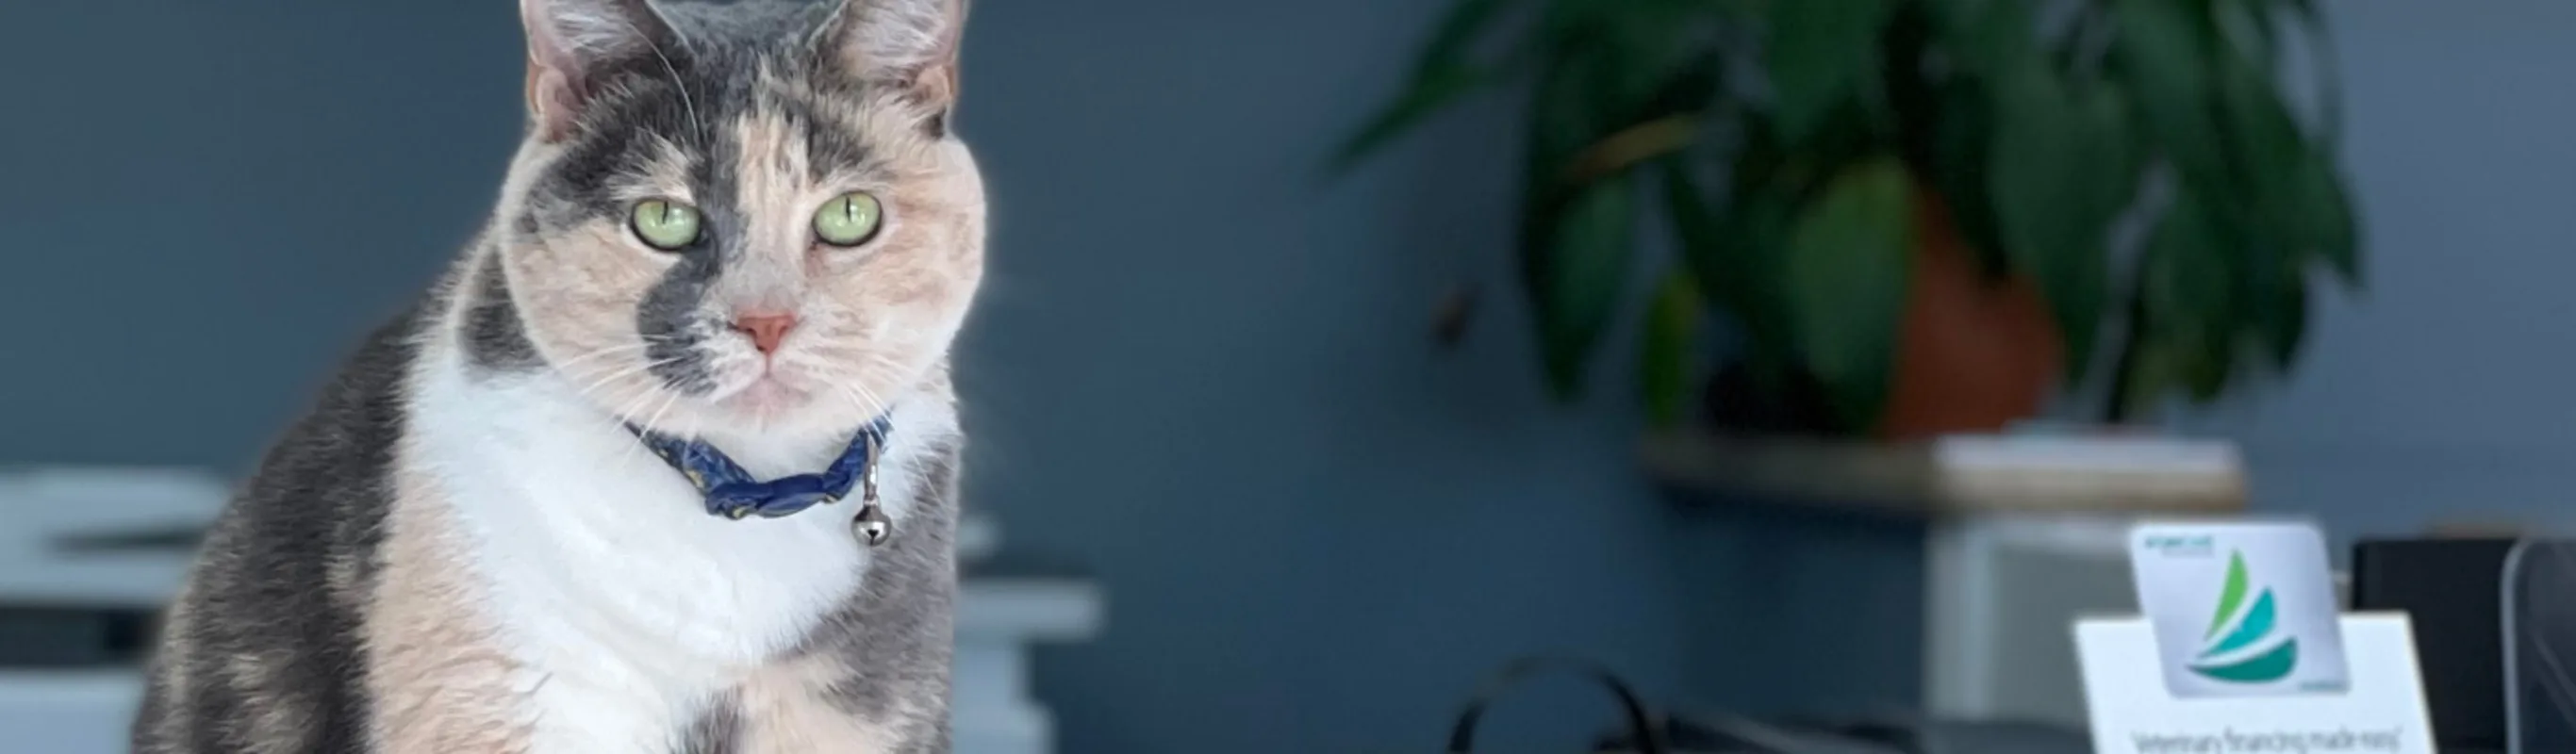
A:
{"x": 729, "y": 216}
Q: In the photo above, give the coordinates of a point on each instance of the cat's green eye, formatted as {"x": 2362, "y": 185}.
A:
{"x": 848, "y": 220}
{"x": 665, "y": 224}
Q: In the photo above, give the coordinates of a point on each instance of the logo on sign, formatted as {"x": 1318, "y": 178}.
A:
{"x": 2244, "y": 643}
{"x": 2240, "y": 609}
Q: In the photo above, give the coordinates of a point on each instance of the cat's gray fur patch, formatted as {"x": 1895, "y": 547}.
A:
{"x": 493, "y": 336}
{"x": 267, "y": 654}
{"x": 718, "y": 729}
{"x": 897, "y": 629}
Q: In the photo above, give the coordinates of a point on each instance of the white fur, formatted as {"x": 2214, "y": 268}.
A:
{"x": 628, "y": 604}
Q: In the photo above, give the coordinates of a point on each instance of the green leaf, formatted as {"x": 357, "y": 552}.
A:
{"x": 2109, "y": 111}
{"x": 1445, "y": 73}
{"x": 2208, "y": 370}
{"x": 1992, "y": 41}
{"x": 1849, "y": 257}
{"x": 1576, "y": 238}
{"x": 1759, "y": 228}
{"x": 2291, "y": 220}
{"x": 2241, "y": 287}
{"x": 1959, "y": 167}
{"x": 2157, "y": 371}
{"x": 1604, "y": 71}
{"x": 2251, "y": 27}
{"x": 2272, "y": 310}
{"x": 1664, "y": 65}
{"x": 1576, "y": 271}
{"x": 1821, "y": 56}
{"x": 1668, "y": 357}
{"x": 2328, "y": 196}
{"x": 1565, "y": 118}
{"x": 2262, "y": 139}
{"x": 1700, "y": 230}
{"x": 2327, "y": 67}
{"x": 2189, "y": 291}
{"x": 1605, "y": 76}
{"x": 2298, "y": 208}
{"x": 1453, "y": 40}
{"x": 2188, "y": 279}
{"x": 2161, "y": 52}
{"x": 2282, "y": 325}
{"x": 2061, "y": 174}
{"x": 1733, "y": 251}
{"x": 2327, "y": 216}
{"x": 2169, "y": 363}
{"x": 1989, "y": 36}
{"x": 1425, "y": 97}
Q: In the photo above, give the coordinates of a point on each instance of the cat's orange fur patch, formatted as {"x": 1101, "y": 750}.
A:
{"x": 440, "y": 681}
{"x": 783, "y": 712}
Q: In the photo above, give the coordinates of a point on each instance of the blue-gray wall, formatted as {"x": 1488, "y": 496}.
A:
{"x": 211, "y": 201}
{"x": 1212, "y": 377}
{"x": 2447, "y": 391}
{"x": 1207, "y": 374}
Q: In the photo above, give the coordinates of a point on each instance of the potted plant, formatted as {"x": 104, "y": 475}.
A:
{"x": 1917, "y": 216}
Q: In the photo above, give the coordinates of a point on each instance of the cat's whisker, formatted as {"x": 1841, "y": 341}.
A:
{"x": 593, "y": 370}
{"x": 686, "y": 101}
{"x": 619, "y": 418}
{"x": 617, "y": 426}
{"x": 665, "y": 338}
{"x": 648, "y": 425}
{"x": 654, "y": 422}
{"x": 622, "y": 348}
{"x": 870, "y": 406}
{"x": 857, "y": 401}
{"x": 633, "y": 371}
{"x": 591, "y": 389}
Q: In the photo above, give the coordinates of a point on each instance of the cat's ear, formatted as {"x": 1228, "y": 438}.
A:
{"x": 572, "y": 42}
{"x": 906, "y": 43}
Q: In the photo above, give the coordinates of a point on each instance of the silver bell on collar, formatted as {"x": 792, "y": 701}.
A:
{"x": 872, "y": 526}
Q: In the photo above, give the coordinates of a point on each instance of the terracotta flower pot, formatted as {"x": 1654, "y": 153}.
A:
{"x": 1973, "y": 354}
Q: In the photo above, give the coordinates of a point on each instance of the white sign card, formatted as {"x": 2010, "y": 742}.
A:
{"x": 2245, "y": 650}
{"x": 2380, "y": 711}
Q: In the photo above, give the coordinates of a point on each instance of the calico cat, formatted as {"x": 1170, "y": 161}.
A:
{"x": 738, "y": 230}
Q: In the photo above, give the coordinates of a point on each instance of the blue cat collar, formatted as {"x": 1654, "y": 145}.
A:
{"x": 731, "y": 492}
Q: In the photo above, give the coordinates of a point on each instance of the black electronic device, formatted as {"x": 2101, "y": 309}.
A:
{"x": 2452, "y": 593}
{"x": 2539, "y": 640}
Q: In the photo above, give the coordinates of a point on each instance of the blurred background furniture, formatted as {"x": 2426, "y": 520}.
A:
{"x": 2022, "y": 533}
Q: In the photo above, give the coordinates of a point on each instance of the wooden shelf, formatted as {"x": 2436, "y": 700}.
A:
{"x": 1913, "y": 479}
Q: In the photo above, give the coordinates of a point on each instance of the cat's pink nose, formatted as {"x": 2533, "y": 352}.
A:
{"x": 765, "y": 330}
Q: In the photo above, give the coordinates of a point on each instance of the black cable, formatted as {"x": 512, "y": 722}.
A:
{"x": 1642, "y": 728}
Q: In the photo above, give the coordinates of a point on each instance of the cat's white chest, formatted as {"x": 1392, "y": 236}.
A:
{"x": 629, "y": 605}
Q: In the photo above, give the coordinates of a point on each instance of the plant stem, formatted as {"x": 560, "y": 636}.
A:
{"x": 1632, "y": 145}
{"x": 2092, "y": 21}
{"x": 2125, "y": 363}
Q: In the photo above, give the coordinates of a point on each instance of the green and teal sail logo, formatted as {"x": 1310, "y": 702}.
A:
{"x": 2244, "y": 643}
